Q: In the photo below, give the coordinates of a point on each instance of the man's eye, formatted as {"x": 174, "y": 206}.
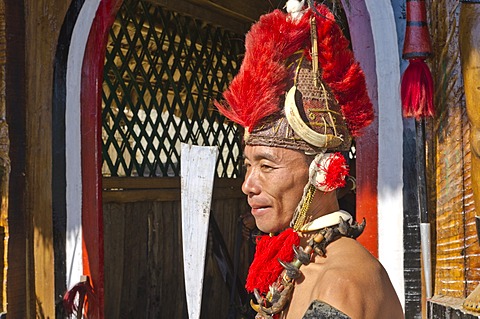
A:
{"x": 266, "y": 167}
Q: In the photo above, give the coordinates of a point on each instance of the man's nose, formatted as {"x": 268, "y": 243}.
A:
{"x": 250, "y": 185}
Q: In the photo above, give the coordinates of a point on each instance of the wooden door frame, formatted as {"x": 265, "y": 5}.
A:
{"x": 20, "y": 304}
{"x": 91, "y": 146}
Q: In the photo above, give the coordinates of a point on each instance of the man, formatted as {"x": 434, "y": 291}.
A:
{"x": 300, "y": 94}
{"x": 348, "y": 278}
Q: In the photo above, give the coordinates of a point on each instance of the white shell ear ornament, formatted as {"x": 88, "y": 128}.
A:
{"x": 328, "y": 171}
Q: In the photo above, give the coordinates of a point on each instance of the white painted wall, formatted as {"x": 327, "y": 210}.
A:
{"x": 73, "y": 142}
{"x": 390, "y": 140}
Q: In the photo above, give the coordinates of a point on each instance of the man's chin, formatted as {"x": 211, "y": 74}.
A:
{"x": 263, "y": 228}
{"x": 269, "y": 228}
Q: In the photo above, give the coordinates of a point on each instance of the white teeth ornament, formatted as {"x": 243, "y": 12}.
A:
{"x": 295, "y": 8}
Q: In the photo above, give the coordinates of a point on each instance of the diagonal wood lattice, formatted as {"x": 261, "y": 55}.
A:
{"x": 162, "y": 71}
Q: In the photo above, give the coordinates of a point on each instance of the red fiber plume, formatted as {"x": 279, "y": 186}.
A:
{"x": 417, "y": 90}
{"x": 343, "y": 74}
{"x": 256, "y": 91}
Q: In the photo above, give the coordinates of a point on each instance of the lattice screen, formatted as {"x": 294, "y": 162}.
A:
{"x": 162, "y": 71}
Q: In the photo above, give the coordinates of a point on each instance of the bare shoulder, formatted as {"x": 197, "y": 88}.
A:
{"x": 354, "y": 282}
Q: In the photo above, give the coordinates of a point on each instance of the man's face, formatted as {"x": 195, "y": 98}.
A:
{"x": 274, "y": 183}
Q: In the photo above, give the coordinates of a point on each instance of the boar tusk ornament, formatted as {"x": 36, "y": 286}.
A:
{"x": 302, "y": 129}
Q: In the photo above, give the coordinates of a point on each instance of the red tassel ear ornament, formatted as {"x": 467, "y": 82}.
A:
{"x": 328, "y": 171}
{"x": 417, "y": 82}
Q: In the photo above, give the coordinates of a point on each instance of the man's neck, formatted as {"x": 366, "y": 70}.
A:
{"x": 323, "y": 204}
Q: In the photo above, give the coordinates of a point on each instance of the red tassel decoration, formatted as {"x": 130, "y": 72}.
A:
{"x": 265, "y": 267}
{"x": 417, "y": 82}
{"x": 82, "y": 293}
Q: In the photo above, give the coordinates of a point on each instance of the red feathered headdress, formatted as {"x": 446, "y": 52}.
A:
{"x": 277, "y": 47}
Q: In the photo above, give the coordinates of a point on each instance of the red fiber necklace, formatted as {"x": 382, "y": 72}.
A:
{"x": 265, "y": 268}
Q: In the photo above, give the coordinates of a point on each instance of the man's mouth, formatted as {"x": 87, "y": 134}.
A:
{"x": 259, "y": 210}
